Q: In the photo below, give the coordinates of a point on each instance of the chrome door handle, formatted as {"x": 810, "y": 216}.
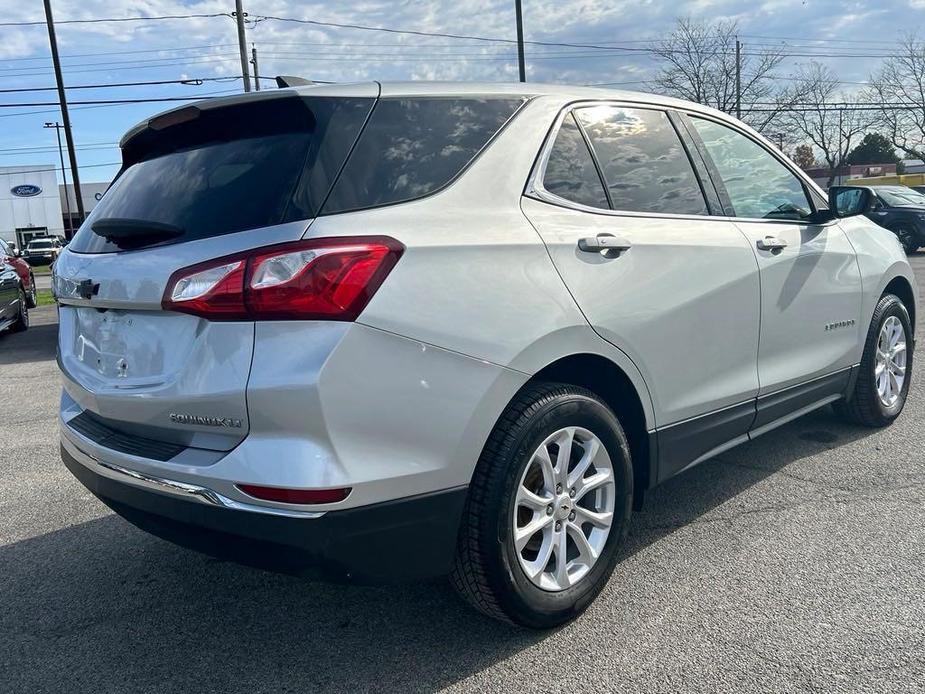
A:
{"x": 769, "y": 243}
{"x": 606, "y": 244}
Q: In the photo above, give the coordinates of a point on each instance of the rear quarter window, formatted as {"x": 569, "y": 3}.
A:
{"x": 414, "y": 146}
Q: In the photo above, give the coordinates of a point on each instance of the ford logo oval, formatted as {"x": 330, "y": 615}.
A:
{"x": 25, "y": 191}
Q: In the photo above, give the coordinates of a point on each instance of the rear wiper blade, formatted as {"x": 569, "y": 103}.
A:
{"x": 134, "y": 232}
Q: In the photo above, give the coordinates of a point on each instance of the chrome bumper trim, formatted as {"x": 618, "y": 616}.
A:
{"x": 174, "y": 488}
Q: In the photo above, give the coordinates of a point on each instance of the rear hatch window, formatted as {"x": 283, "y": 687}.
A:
{"x": 415, "y": 146}
{"x": 213, "y": 172}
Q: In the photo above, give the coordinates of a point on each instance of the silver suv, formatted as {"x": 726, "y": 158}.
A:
{"x": 403, "y": 330}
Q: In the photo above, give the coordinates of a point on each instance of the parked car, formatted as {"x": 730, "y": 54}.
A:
{"x": 899, "y": 209}
{"x": 43, "y": 250}
{"x": 14, "y": 310}
{"x": 11, "y": 257}
{"x": 403, "y": 330}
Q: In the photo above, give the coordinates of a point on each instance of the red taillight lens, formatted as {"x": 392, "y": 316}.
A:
{"x": 287, "y": 495}
{"x": 322, "y": 279}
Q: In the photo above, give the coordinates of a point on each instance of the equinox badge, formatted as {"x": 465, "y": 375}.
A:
{"x": 229, "y": 422}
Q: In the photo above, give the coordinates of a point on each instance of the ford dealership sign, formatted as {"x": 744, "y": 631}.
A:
{"x": 25, "y": 191}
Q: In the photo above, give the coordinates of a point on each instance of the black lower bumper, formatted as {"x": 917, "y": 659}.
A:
{"x": 407, "y": 539}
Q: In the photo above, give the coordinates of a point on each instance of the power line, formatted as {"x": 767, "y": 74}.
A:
{"x": 122, "y": 64}
{"x": 192, "y": 81}
{"x": 56, "y": 168}
{"x": 135, "y": 52}
{"x": 133, "y": 61}
{"x": 54, "y": 150}
{"x": 104, "y": 20}
{"x": 412, "y": 32}
{"x": 109, "y": 101}
{"x": 109, "y": 105}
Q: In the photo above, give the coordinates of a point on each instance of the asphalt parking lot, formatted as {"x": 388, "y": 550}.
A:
{"x": 793, "y": 563}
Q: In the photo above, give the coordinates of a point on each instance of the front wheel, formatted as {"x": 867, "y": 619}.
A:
{"x": 886, "y": 367}
{"x": 548, "y": 508}
{"x": 908, "y": 239}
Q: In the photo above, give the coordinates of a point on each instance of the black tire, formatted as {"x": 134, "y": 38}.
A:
{"x": 908, "y": 239}
{"x": 487, "y": 572}
{"x": 863, "y": 405}
{"x": 22, "y": 320}
{"x": 32, "y": 295}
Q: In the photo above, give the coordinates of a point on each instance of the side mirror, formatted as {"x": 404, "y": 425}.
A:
{"x": 849, "y": 202}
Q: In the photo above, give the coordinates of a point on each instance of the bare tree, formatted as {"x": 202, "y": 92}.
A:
{"x": 804, "y": 157}
{"x": 821, "y": 117}
{"x": 701, "y": 67}
{"x": 899, "y": 89}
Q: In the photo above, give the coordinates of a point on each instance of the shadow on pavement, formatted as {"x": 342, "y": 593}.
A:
{"x": 38, "y": 343}
{"x": 101, "y": 606}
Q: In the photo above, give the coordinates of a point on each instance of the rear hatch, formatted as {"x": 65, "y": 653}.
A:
{"x": 197, "y": 183}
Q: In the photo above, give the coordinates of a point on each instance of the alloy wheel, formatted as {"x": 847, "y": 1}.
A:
{"x": 563, "y": 508}
{"x": 890, "y": 362}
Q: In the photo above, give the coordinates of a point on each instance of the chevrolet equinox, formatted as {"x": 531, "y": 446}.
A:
{"x": 394, "y": 331}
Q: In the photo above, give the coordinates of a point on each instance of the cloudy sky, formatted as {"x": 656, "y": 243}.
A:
{"x": 847, "y": 36}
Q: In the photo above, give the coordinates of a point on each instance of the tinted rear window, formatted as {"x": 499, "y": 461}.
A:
{"x": 642, "y": 160}
{"x": 415, "y": 146}
{"x": 239, "y": 167}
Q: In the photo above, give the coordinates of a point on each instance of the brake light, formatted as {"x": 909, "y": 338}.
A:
{"x": 288, "y": 495}
{"x": 321, "y": 279}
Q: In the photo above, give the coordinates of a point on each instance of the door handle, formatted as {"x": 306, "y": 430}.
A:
{"x": 607, "y": 245}
{"x": 770, "y": 243}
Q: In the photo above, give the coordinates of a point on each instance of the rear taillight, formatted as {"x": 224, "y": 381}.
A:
{"x": 321, "y": 279}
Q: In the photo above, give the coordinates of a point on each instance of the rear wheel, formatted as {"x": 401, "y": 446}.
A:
{"x": 548, "y": 508}
{"x": 32, "y": 294}
{"x": 22, "y": 320}
{"x": 886, "y": 367}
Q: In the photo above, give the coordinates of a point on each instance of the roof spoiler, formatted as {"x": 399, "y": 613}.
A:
{"x": 283, "y": 81}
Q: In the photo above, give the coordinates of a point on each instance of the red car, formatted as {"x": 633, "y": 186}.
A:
{"x": 7, "y": 255}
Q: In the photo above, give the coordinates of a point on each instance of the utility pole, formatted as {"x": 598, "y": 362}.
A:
{"x": 69, "y": 227}
{"x": 62, "y": 100}
{"x": 242, "y": 44}
{"x": 520, "y": 41}
{"x": 256, "y": 71}
{"x": 738, "y": 78}
{"x": 841, "y": 143}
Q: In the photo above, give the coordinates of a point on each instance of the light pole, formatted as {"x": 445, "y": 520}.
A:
{"x": 69, "y": 228}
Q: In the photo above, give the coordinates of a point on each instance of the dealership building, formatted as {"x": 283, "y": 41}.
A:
{"x": 33, "y": 204}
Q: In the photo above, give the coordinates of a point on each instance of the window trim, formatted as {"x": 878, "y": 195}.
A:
{"x": 591, "y": 152}
{"x": 535, "y": 189}
{"x": 808, "y": 191}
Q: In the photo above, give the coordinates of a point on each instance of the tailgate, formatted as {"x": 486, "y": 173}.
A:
{"x": 198, "y": 183}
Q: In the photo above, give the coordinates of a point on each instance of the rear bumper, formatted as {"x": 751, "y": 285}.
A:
{"x": 406, "y": 539}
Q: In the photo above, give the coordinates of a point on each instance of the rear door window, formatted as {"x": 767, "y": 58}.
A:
{"x": 644, "y": 164}
{"x": 414, "y": 146}
{"x": 229, "y": 169}
{"x": 570, "y": 170}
